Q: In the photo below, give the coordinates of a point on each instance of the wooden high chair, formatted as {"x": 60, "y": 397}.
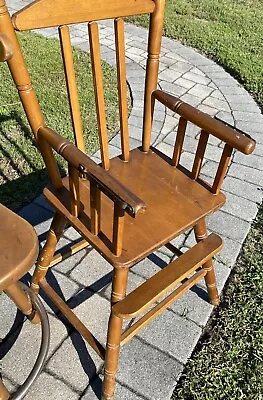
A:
{"x": 131, "y": 205}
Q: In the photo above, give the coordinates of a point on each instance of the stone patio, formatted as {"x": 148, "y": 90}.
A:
{"x": 152, "y": 362}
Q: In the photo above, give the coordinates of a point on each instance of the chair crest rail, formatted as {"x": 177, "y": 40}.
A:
{"x": 47, "y": 13}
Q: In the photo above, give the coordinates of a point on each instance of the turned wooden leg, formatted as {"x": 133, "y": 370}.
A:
{"x": 210, "y": 279}
{"x": 111, "y": 357}
{"x": 4, "y": 395}
{"x": 46, "y": 255}
{"x": 119, "y": 285}
{"x": 22, "y": 301}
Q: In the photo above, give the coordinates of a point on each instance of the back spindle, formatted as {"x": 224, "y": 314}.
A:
{"x": 122, "y": 86}
{"x": 200, "y": 151}
{"x": 99, "y": 92}
{"x": 179, "y": 141}
{"x": 222, "y": 169}
{"x": 74, "y": 190}
{"x": 95, "y": 208}
{"x": 72, "y": 89}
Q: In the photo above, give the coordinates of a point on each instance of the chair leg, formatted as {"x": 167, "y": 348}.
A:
{"x": 119, "y": 285}
{"x": 210, "y": 279}
{"x": 4, "y": 395}
{"x": 46, "y": 255}
{"x": 22, "y": 301}
{"x": 111, "y": 357}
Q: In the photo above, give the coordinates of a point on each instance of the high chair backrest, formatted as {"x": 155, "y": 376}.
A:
{"x": 61, "y": 14}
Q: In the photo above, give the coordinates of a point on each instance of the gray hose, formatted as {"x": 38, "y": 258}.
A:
{"x": 43, "y": 351}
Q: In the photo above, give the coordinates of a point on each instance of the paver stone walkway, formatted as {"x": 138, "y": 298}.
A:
{"x": 152, "y": 362}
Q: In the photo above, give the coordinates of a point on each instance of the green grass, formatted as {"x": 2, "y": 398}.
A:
{"x": 228, "y": 31}
{"x": 22, "y": 172}
{"x": 228, "y": 363}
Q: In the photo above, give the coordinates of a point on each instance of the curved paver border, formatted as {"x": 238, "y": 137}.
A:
{"x": 151, "y": 363}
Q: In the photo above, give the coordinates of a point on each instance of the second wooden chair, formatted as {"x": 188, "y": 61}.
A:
{"x": 131, "y": 205}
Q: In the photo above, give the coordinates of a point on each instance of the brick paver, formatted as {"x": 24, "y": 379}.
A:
{"x": 151, "y": 364}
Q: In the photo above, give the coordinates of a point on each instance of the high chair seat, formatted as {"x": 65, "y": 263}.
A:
{"x": 174, "y": 202}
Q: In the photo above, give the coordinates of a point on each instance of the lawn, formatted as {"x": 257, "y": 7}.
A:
{"x": 228, "y": 31}
{"x": 228, "y": 361}
{"x": 22, "y": 172}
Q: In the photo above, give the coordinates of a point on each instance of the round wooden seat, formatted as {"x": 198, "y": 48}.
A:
{"x": 18, "y": 247}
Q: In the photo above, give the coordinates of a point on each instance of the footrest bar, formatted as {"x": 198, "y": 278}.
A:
{"x": 137, "y": 326}
{"x": 73, "y": 319}
{"x": 167, "y": 279}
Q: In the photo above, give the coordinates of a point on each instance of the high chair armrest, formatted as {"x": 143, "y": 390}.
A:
{"x": 233, "y": 137}
{"x": 87, "y": 167}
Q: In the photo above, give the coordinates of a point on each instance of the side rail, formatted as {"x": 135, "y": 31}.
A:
{"x": 233, "y": 138}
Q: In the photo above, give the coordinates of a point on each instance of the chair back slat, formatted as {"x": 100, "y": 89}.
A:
{"x": 47, "y": 13}
{"x": 95, "y": 208}
{"x": 122, "y": 86}
{"x": 118, "y": 229}
{"x": 99, "y": 92}
{"x": 72, "y": 89}
{"x": 222, "y": 169}
{"x": 74, "y": 190}
{"x": 179, "y": 141}
{"x": 200, "y": 151}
